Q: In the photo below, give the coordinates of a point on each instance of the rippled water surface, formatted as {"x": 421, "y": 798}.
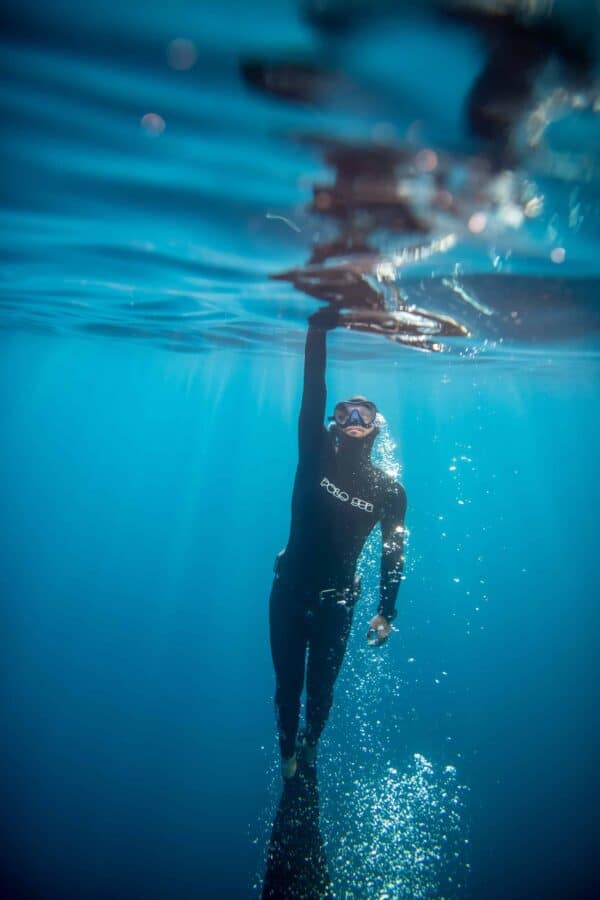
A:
{"x": 166, "y": 204}
{"x": 183, "y": 185}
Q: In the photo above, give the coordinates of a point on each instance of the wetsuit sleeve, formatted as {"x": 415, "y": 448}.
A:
{"x": 392, "y": 557}
{"x": 314, "y": 393}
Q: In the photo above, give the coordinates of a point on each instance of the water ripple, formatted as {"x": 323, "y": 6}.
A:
{"x": 277, "y": 182}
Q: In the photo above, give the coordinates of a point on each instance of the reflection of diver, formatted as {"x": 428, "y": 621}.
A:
{"x": 364, "y": 198}
{"x": 348, "y": 270}
{"x": 520, "y": 47}
{"x": 296, "y": 861}
{"x": 529, "y": 49}
{"x": 339, "y": 496}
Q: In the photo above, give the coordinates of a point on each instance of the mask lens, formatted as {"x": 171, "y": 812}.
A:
{"x": 341, "y": 414}
{"x": 367, "y": 412}
{"x": 346, "y": 412}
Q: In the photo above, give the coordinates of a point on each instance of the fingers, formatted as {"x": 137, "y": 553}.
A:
{"x": 377, "y": 636}
{"x": 383, "y": 633}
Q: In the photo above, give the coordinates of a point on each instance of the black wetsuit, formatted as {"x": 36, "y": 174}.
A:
{"x": 339, "y": 496}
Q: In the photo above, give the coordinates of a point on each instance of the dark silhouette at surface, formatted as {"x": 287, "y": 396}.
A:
{"x": 296, "y": 862}
{"x": 364, "y": 197}
{"x": 520, "y": 43}
{"x": 294, "y": 80}
{"x": 517, "y": 51}
{"x": 362, "y": 204}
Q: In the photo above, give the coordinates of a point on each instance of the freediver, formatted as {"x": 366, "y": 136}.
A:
{"x": 339, "y": 496}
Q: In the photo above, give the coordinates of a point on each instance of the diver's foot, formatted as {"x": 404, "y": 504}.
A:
{"x": 309, "y": 753}
{"x": 288, "y": 767}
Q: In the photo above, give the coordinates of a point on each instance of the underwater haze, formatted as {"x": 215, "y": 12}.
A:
{"x": 183, "y": 185}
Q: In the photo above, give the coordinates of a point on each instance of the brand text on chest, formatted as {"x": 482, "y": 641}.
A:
{"x": 345, "y": 497}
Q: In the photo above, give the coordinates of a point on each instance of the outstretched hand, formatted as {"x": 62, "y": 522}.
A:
{"x": 379, "y": 631}
{"x": 327, "y": 317}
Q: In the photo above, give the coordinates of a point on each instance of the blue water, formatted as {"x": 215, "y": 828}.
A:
{"x": 150, "y": 375}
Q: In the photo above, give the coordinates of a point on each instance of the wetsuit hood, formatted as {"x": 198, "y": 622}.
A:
{"x": 358, "y": 449}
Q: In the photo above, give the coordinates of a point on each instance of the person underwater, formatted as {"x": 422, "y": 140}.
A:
{"x": 339, "y": 496}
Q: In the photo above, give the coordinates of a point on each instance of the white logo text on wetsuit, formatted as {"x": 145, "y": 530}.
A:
{"x": 344, "y": 497}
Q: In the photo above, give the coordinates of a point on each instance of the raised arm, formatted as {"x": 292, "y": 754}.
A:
{"x": 314, "y": 392}
{"x": 392, "y": 556}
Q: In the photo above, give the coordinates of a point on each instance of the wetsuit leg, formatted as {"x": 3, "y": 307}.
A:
{"x": 288, "y": 627}
{"x": 328, "y": 637}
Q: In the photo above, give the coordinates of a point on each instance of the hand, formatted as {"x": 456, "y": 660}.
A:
{"x": 379, "y": 631}
{"x": 327, "y": 317}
